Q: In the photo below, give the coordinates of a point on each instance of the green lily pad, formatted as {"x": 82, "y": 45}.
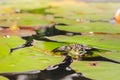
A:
{"x": 4, "y": 50}
{"x": 86, "y": 8}
{"x": 12, "y": 41}
{"x": 24, "y": 4}
{"x": 111, "y": 55}
{"x": 8, "y": 43}
{"x": 39, "y": 10}
{"x": 24, "y": 19}
{"x": 47, "y": 45}
{"x": 100, "y": 41}
{"x": 27, "y": 59}
{"x": 101, "y": 71}
{"x": 3, "y": 78}
{"x": 92, "y": 27}
{"x": 65, "y": 21}
{"x": 88, "y": 11}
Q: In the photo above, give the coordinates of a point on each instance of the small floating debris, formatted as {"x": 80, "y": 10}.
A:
{"x": 93, "y": 63}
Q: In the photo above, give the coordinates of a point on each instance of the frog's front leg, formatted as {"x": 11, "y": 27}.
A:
{"x": 81, "y": 55}
{"x": 83, "y": 52}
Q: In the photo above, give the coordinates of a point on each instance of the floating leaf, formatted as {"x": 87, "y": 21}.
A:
{"x": 92, "y": 27}
{"x": 47, "y": 45}
{"x": 3, "y": 78}
{"x": 23, "y": 20}
{"x": 12, "y": 41}
{"x": 27, "y": 59}
{"x": 107, "y": 69}
{"x": 100, "y": 41}
{"x": 4, "y": 49}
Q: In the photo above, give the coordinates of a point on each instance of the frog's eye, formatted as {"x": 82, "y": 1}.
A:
{"x": 52, "y": 67}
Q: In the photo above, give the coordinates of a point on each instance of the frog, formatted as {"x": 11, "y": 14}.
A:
{"x": 77, "y": 51}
